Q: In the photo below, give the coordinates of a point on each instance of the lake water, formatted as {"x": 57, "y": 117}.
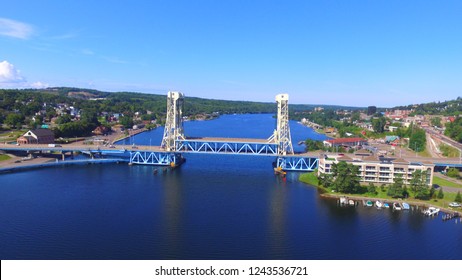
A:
{"x": 212, "y": 207}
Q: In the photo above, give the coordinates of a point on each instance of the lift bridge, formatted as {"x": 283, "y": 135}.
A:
{"x": 175, "y": 144}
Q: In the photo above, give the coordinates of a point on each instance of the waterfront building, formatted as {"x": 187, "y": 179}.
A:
{"x": 379, "y": 170}
{"x": 37, "y": 136}
{"x": 345, "y": 142}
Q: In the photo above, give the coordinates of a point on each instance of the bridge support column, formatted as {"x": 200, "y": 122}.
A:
{"x": 281, "y": 135}
{"x": 174, "y": 123}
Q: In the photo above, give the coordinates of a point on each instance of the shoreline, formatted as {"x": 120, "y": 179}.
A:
{"x": 135, "y": 132}
{"x": 418, "y": 203}
{"x": 323, "y": 192}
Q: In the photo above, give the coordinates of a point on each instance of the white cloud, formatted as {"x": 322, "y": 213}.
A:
{"x": 39, "y": 85}
{"x": 16, "y": 29}
{"x": 10, "y": 77}
{"x": 9, "y": 74}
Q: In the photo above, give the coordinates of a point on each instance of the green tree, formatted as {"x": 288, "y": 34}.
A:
{"x": 419, "y": 185}
{"x": 63, "y": 119}
{"x": 440, "y": 194}
{"x": 453, "y": 172}
{"x": 395, "y": 190}
{"x": 458, "y": 197}
{"x": 126, "y": 121}
{"x": 14, "y": 120}
{"x": 371, "y": 189}
{"x": 325, "y": 180}
{"x": 345, "y": 177}
{"x": 379, "y": 124}
{"x": 90, "y": 116}
{"x": 417, "y": 139}
{"x": 454, "y": 129}
{"x": 313, "y": 145}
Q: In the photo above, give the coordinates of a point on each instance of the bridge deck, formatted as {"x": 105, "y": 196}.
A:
{"x": 229, "y": 140}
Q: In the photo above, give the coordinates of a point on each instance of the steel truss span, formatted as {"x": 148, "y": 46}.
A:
{"x": 156, "y": 158}
{"x": 297, "y": 163}
{"x": 194, "y": 146}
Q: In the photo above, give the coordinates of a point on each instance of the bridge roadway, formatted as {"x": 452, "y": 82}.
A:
{"x": 144, "y": 154}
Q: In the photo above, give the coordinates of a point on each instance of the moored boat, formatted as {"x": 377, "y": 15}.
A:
{"x": 351, "y": 202}
{"x": 378, "y": 204}
{"x": 405, "y": 206}
{"x": 386, "y": 205}
{"x": 431, "y": 211}
{"x": 369, "y": 203}
{"x": 396, "y": 206}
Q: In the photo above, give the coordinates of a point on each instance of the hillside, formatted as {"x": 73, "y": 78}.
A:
{"x": 445, "y": 108}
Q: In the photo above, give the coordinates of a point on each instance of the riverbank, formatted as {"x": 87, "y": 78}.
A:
{"x": 132, "y": 132}
{"x": 311, "y": 179}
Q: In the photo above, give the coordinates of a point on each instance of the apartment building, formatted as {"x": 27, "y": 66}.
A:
{"x": 379, "y": 170}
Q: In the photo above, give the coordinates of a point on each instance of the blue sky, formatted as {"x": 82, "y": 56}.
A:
{"x": 381, "y": 53}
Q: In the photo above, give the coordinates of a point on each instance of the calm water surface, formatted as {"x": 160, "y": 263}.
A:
{"x": 213, "y": 207}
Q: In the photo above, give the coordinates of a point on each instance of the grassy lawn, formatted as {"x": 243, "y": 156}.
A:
{"x": 11, "y": 135}
{"x": 309, "y": 178}
{"x": 449, "y": 151}
{"x": 4, "y": 157}
{"x": 446, "y": 183}
{"x": 424, "y": 153}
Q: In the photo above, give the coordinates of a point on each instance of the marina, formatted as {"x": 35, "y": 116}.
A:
{"x": 428, "y": 211}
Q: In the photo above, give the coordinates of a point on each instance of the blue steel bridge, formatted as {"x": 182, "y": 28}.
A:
{"x": 175, "y": 145}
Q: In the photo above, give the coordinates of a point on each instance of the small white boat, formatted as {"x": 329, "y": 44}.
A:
{"x": 378, "y": 204}
{"x": 454, "y": 204}
{"x": 406, "y": 206}
{"x": 343, "y": 200}
{"x": 351, "y": 202}
{"x": 396, "y": 206}
{"x": 431, "y": 211}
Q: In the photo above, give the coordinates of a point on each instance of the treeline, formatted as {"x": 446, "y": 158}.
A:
{"x": 446, "y": 108}
{"x": 454, "y": 129}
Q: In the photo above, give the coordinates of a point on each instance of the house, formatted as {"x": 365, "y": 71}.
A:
{"x": 101, "y": 130}
{"x": 37, "y": 136}
{"x": 389, "y": 139}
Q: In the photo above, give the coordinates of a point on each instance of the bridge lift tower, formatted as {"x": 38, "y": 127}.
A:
{"x": 281, "y": 135}
{"x": 174, "y": 122}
